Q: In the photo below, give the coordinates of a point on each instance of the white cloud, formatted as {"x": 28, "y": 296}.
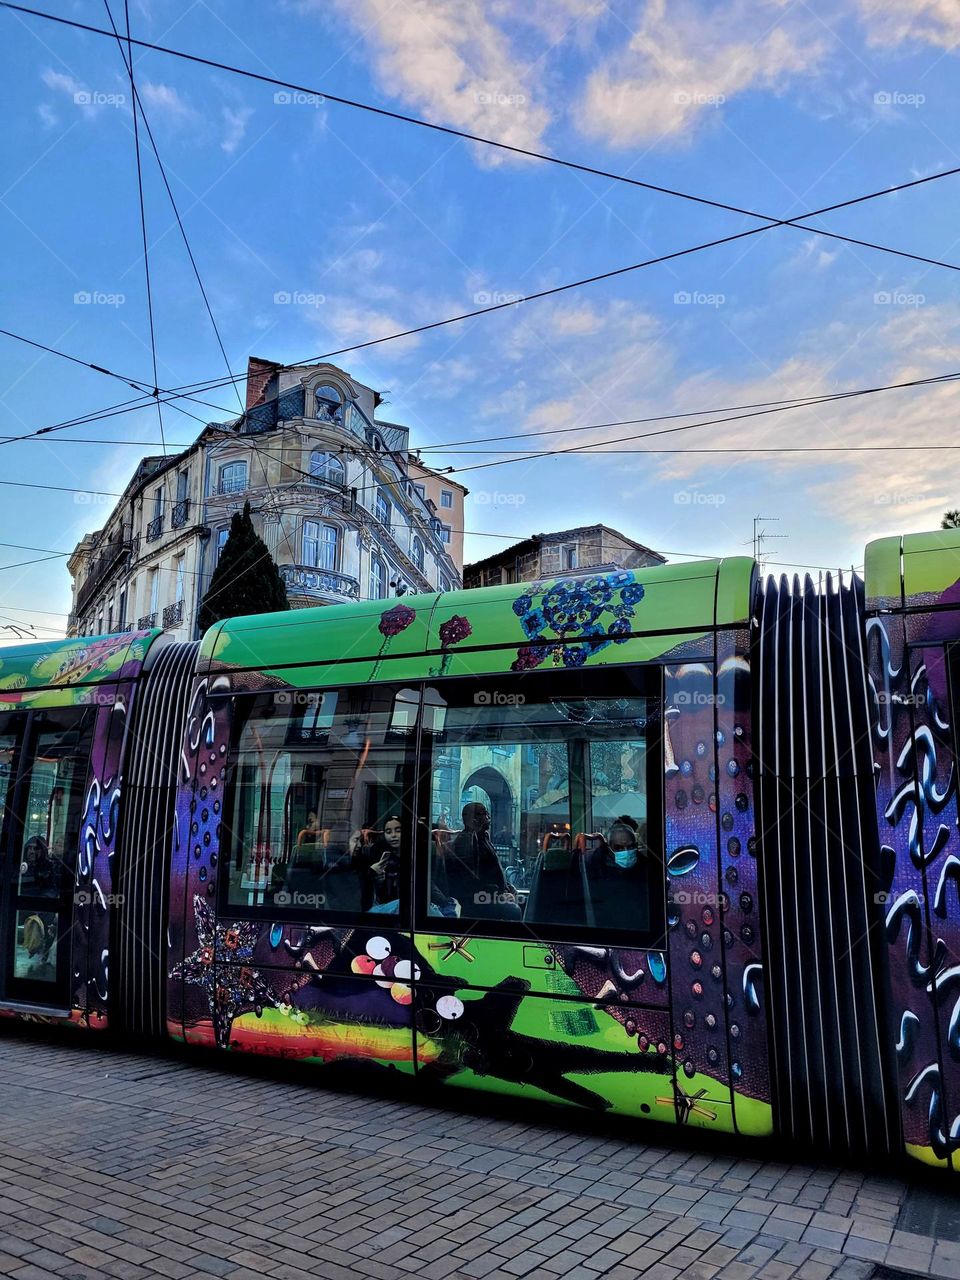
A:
{"x": 48, "y": 117}
{"x": 450, "y": 62}
{"x": 235, "y": 121}
{"x": 892, "y": 22}
{"x": 685, "y": 61}
{"x": 61, "y": 83}
{"x": 162, "y": 99}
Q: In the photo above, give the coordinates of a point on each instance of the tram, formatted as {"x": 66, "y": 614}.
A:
{"x": 671, "y": 842}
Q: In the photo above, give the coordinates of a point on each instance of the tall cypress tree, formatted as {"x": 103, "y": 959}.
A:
{"x": 246, "y": 580}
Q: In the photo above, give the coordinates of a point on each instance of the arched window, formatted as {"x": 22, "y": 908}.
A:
{"x": 327, "y": 466}
{"x": 329, "y": 404}
{"x": 378, "y": 578}
{"x": 321, "y": 545}
{"x": 416, "y": 553}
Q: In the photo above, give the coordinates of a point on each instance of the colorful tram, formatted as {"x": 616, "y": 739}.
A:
{"x": 668, "y": 842}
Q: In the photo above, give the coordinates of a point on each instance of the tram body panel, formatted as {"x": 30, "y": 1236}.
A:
{"x": 292, "y": 976}
{"x": 68, "y": 705}
{"x": 913, "y": 588}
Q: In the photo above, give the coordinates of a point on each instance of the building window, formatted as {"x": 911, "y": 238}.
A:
{"x": 445, "y": 533}
{"x": 329, "y": 404}
{"x": 570, "y": 557}
{"x": 378, "y": 578}
{"x": 327, "y": 466}
{"x": 444, "y": 583}
{"x": 222, "y": 536}
{"x": 416, "y": 553}
{"x": 321, "y": 545}
{"x": 183, "y": 484}
{"x": 421, "y": 491}
{"x": 122, "y": 615}
{"x": 446, "y": 498}
{"x": 382, "y": 508}
{"x": 158, "y": 503}
{"x": 181, "y": 562}
{"x": 110, "y": 617}
{"x": 154, "y": 589}
{"x": 233, "y": 477}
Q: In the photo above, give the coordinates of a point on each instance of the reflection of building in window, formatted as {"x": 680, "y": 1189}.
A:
{"x": 329, "y": 404}
{"x": 564, "y": 786}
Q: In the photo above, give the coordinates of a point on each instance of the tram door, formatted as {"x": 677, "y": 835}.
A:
{"x": 43, "y": 770}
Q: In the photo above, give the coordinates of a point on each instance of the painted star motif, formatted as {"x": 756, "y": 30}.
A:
{"x": 233, "y": 984}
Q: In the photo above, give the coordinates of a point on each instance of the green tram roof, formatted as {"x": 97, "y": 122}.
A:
{"x": 45, "y": 673}
{"x": 480, "y": 631}
{"x": 912, "y": 570}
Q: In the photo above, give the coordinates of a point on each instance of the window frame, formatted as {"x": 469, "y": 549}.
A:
{"x": 384, "y": 582}
{"x": 322, "y": 473}
{"x": 264, "y": 912}
{"x": 416, "y": 867}
{"x": 222, "y": 488}
{"x": 650, "y": 684}
{"x": 29, "y": 726}
{"x": 418, "y": 552}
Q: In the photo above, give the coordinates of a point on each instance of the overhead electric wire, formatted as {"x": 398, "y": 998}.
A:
{"x": 525, "y": 152}
{"x": 128, "y": 62}
{"x": 138, "y": 108}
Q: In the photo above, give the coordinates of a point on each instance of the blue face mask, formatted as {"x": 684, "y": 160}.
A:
{"x": 625, "y": 858}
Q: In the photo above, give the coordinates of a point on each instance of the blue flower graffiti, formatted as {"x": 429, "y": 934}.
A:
{"x": 573, "y": 620}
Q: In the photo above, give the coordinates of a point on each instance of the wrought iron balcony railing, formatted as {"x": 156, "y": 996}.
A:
{"x": 180, "y": 513}
{"x": 147, "y": 622}
{"x": 173, "y": 614}
{"x": 154, "y": 528}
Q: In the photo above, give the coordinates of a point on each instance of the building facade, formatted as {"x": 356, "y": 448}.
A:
{"x": 344, "y": 508}
{"x": 547, "y": 555}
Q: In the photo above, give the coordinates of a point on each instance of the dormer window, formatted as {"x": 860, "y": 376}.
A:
{"x": 329, "y": 404}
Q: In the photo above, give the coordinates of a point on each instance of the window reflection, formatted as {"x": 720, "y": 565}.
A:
{"x": 539, "y": 805}
{"x": 320, "y": 811}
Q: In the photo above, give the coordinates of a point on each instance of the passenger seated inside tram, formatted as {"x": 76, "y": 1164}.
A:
{"x": 37, "y": 868}
{"x": 468, "y": 871}
{"x": 380, "y": 873}
{"x": 617, "y": 876}
{"x": 311, "y": 835}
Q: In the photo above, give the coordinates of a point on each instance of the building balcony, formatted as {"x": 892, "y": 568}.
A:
{"x": 155, "y": 528}
{"x": 173, "y": 614}
{"x": 181, "y": 511}
{"x": 320, "y": 586}
{"x": 107, "y": 556}
{"x": 147, "y": 622}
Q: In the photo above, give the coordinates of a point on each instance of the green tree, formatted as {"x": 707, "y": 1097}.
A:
{"x": 246, "y": 580}
{"x": 951, "y": 520}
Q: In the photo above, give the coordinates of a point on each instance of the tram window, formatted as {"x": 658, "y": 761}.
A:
{"x": 35, "y": 948}
{"x": 56, "y": 783}
{"x": 8, "y": 749}
{"x": 320, "y": 816}
{"x": 541, "y": 804}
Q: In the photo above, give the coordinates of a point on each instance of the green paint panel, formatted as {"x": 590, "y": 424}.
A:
{"x": 477, "y": 632}
{"x": 930, "y": 564}
{"x": 58, "y": 673}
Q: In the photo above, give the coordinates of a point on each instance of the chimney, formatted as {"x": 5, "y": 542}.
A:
{"x": 259, "y": 373}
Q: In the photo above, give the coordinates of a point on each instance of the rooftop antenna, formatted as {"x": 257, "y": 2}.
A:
{"x": 761, "y": 536}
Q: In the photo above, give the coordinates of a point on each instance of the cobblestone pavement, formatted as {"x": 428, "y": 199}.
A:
{"x": 124, "y": 1165}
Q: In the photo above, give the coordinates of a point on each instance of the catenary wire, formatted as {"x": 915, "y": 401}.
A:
{"x": 526, "y": 153}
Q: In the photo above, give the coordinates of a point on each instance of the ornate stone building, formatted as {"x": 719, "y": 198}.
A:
{"x": 345, "y": 509}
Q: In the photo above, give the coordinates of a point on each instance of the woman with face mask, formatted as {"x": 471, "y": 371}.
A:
{"x": 616, "y": 876}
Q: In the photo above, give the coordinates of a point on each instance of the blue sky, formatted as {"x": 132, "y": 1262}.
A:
{"x": 377, "y": 226}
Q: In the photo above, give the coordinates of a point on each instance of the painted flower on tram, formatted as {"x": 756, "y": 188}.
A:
{"x": 455, "y": 629}
{"x": 393, "y": 621}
